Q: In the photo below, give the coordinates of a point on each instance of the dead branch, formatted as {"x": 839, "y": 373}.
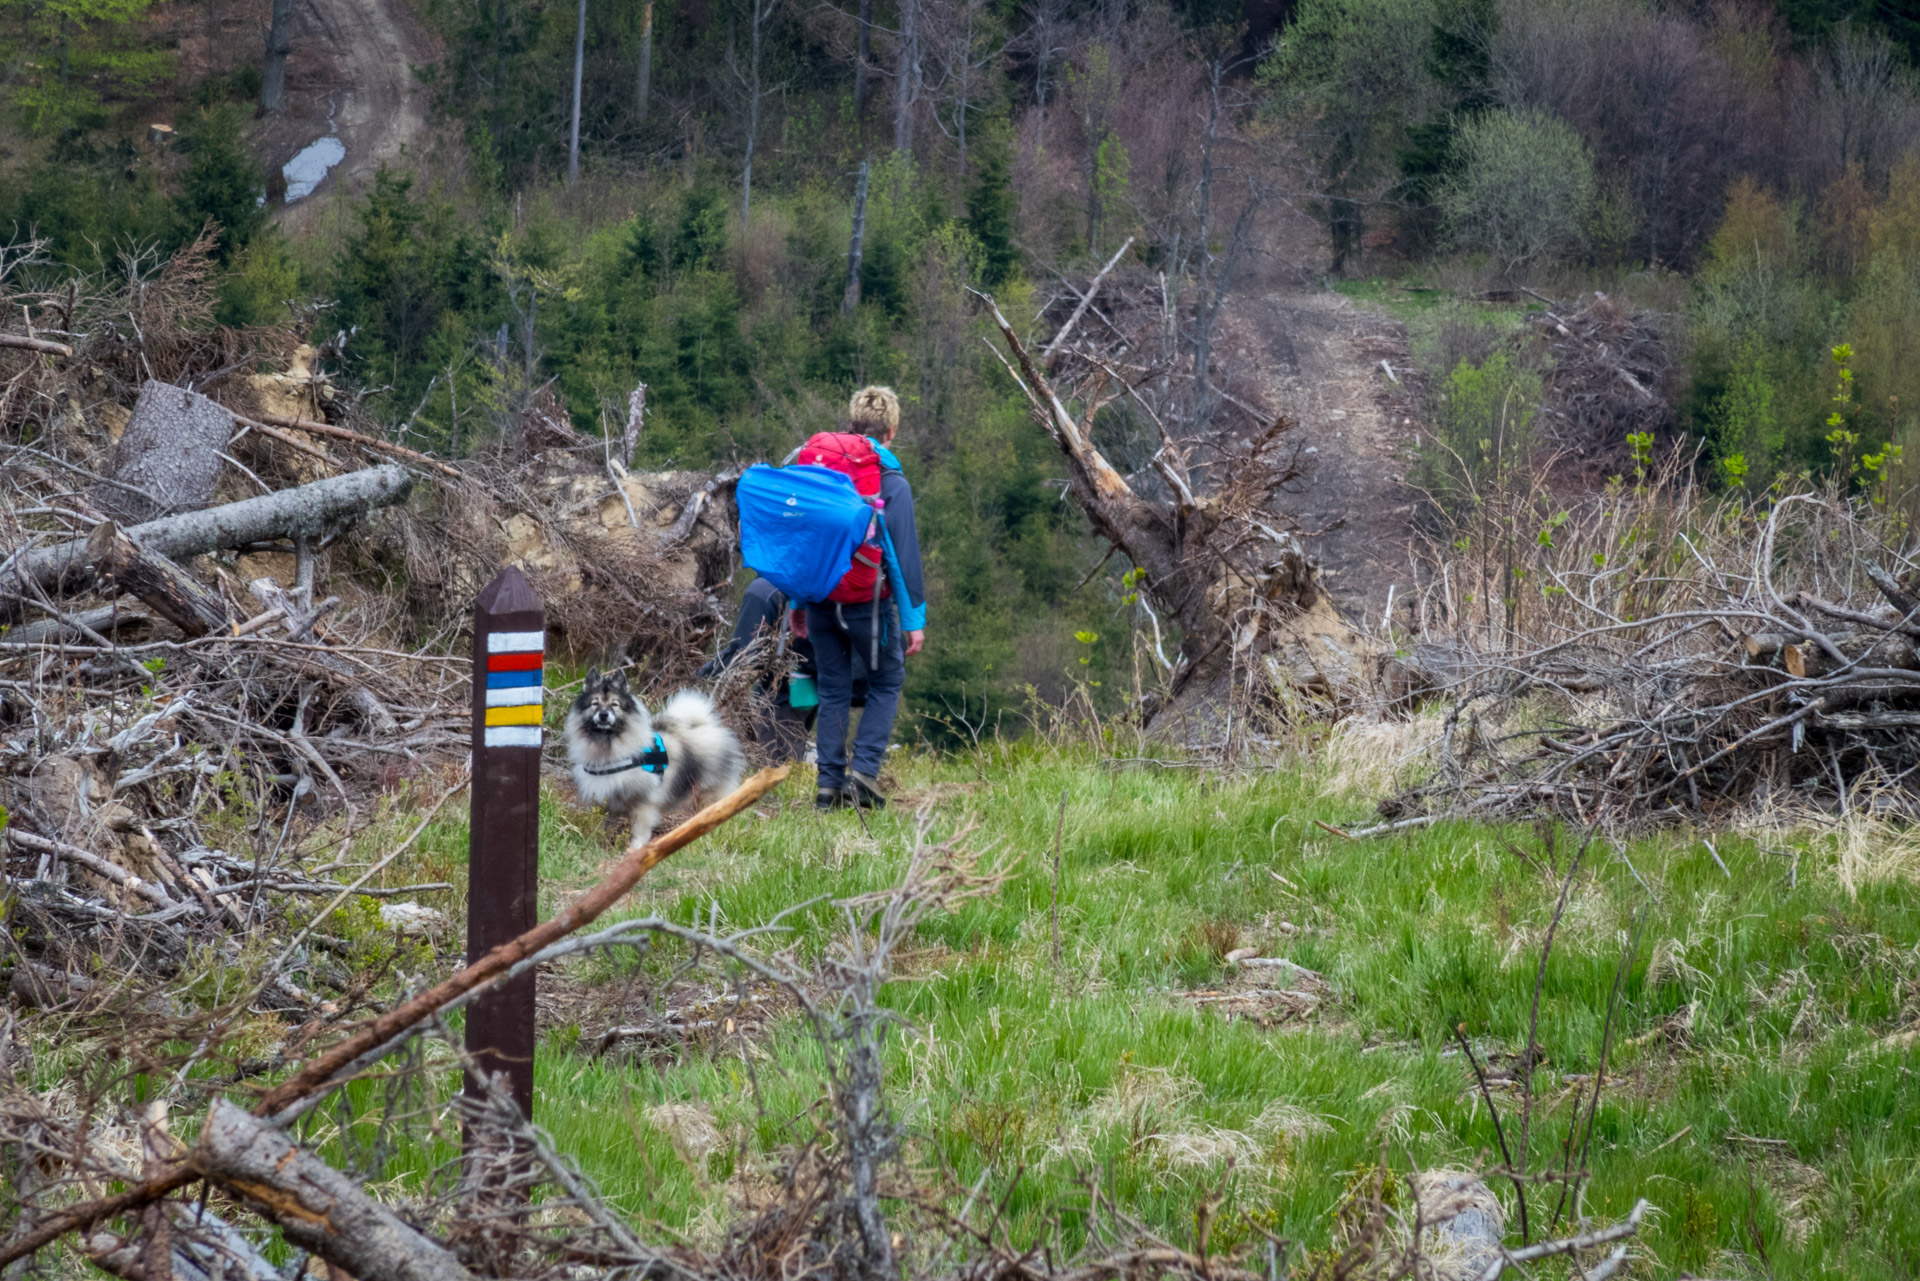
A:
{"x": 24, "y": 343}
{"x": 1086, "y": 301}
{"x": 317, "y": 1207}
{"x": 318, "y": 1071}
{"x": 346, "y": 434}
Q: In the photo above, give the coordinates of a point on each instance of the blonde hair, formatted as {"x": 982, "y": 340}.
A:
{"x": 875, "y": 411}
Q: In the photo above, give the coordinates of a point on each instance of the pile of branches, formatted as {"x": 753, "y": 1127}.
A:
{"x": 1608, "y": 374}
{"x": 1661, "y": 655}
{"x": 231, "y": 617}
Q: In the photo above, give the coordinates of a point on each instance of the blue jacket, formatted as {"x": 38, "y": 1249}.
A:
{"x": 900, "y": 539}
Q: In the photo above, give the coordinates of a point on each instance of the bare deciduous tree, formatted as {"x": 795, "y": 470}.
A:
{"x": 579, "y": 64}
{"x": 759, "y": 13}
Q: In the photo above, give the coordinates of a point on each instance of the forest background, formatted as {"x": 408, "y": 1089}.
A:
{"x": 1743, "y": 172}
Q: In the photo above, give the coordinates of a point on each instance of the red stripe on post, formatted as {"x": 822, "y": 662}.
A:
{"x": 514, "y": 662}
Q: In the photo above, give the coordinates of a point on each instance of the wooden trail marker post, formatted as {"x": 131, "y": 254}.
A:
{"x": 503, "y": 851}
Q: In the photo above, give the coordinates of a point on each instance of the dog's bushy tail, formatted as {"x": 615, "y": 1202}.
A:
{"x": 690, "y": 717}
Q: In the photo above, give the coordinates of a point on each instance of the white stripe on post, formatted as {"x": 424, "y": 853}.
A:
{"x": 524, "y": 696}
{"x": 513, "y": 736}
{"x": 516, "y": 642}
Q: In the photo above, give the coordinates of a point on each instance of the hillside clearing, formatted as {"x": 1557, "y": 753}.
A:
{"x": 1759, "y": 1090}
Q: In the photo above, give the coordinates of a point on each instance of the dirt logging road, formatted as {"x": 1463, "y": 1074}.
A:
{"x": 352, "y": 76}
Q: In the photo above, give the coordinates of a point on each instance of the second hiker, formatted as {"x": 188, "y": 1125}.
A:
{"x": 865, "y": 631}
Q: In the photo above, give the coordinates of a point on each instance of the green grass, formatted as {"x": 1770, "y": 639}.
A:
{"x": 1405, "y": 300}
{"x": 1112, "y": 1065}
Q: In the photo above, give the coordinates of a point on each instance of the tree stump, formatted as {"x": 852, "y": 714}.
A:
{"x": 168, "y": 459}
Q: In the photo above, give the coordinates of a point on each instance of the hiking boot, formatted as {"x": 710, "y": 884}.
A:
{"x": 830, "y": 798}
{"x": 865, "y": 792}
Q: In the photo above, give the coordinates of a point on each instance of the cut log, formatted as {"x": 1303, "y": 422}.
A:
{"x": 109, "y": 620}
{"x": 160, "y": 584}
{"x": 306, "y": 512}
{"x": 168, "y": 459}
{"x": 316, "y": 1206}
{"x": 1803, "y": 657}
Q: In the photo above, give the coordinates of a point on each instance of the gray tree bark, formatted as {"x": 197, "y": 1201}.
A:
{"x": 863, "y": 52}
{"x": 168, "y": 459}
{"x": 856, "y": 246}
{"x": 305, "y": 512}
{"x": 906, "y": 75}
{"x": 273, "y": 83}
{"x": 643, "y": 86}
{"x": 165, "y": 588}
{"x": 316, "y": 1206}
{"x": 579, "y": 63}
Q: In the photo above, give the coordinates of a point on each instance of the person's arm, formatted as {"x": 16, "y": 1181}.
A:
{"x": 902, "y": 547}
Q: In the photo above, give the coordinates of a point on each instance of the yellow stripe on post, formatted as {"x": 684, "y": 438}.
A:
{"x": 513, "y": 715}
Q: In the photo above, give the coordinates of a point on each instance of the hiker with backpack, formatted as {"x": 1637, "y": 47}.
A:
{"x": 837, "y": 532}
{"x": 783, "y": 723}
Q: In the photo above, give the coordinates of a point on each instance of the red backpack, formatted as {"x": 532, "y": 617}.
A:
{"x": 854, "y": 457}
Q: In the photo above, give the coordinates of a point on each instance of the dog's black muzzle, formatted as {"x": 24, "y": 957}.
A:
{"x": 604, "y": 720}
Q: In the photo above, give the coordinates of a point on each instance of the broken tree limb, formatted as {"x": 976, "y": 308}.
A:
{"x": 23, "y": 343}
{"x": 316, "y": 1206}
{"x": 696, "y": 503}
{"x": 1086, "y": 301}
{"x": 305, "y": 512}
{"x": 1569, "y": 1245}
{"x": 103, "y": 868}
{"x": 1055, "y": 419}
{"x": 318, "y": 1071}
{"x": 157, "y": 582}
{"x": 169, "y": 457}
{"x": 341, "y": 433}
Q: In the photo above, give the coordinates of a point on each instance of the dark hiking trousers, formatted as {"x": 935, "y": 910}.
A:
{"x": 842, "y": 636}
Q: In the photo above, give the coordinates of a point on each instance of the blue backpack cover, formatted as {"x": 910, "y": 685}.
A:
{"x": 799, "y": 527}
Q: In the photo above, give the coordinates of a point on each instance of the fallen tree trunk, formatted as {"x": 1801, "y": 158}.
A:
{"x": 316, "y": 1206}
{"x": 108, "y": 619}
{"x": 306, "y": 512}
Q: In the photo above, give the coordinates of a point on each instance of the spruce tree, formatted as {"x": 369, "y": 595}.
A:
{"x": 990, "y": 205}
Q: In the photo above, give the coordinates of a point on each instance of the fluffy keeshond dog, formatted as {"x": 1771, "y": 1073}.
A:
{"x": 639, "y": 765}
